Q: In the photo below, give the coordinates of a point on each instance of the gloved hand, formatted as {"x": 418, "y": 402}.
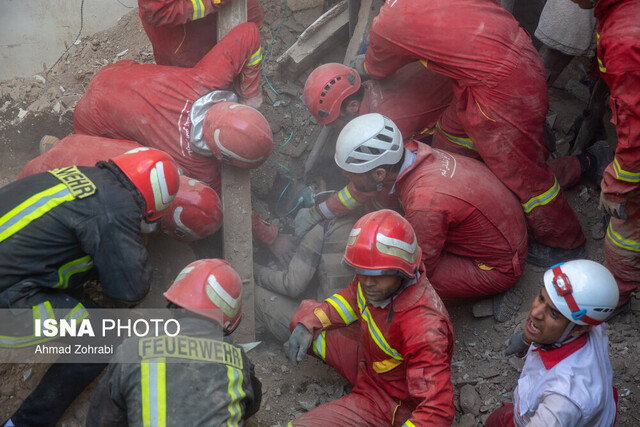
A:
{"x": 283, "y": 248}
{"x": 357, "y": 63}
{"x": 299, "y": 342}
{"x": 614, "y": 209}
{"x": 305, "y": 219}
{"x": 517, "y": 345}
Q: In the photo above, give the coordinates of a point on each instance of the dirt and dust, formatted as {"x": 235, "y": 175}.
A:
{"x": 482, "y": 378}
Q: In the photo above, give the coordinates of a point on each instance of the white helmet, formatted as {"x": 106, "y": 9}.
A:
{"x": 367, "y": 142}
{"x": 584, "y": 291}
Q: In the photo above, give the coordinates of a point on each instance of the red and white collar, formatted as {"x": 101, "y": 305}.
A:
{"x": 551, "y": 358}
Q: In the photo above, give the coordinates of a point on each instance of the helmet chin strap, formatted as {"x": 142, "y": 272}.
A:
{"x": 563, "y": 338}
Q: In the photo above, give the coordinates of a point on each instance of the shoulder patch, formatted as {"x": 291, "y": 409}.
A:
{"x": 78, "y": 183}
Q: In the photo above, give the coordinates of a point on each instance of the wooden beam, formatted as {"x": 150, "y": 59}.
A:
{"x": 236, "y": 203}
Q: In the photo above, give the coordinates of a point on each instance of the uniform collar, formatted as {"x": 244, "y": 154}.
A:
{"x": 551, "y": 358}
{"x": 409, "y": 159}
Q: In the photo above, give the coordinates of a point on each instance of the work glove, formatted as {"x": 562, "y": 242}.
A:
{"x": 614, "y": 209}
{"x": 305, "y": 219}
{"x": 516, "y": 345}
{"x": 299, "y": 342}
{"x": 283, "y": 248}
{"x": 357, "y": 63}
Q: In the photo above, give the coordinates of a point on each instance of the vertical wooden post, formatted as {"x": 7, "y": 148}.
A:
{"x": 236, "y": 203}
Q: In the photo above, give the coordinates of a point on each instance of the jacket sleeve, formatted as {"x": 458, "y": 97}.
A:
{"x": 121, "y": 259}
{"x": 621, "y": 72}
{"x": 429, "y": 370}
{"x": 235, "y": 60}
{"x": 337, "y": 311}
{"x": 432, "y": 227}
{"x": 383, "y": 56}
{"x": 176, "y": 12}
{"x": 344, "y": 202}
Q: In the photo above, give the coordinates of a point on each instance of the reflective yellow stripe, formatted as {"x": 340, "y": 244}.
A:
{"x": 255, "y": 58}
{"x": 375, "y": 332}
{"x": 320, "y": 345}
{"x": 377, "y": 205}
{"x": 408, "y": 423}
{"x": 425, "y": 62}
{"x": 154, "y": 395}
{"x": 465, "y": 142}
{"x": 32, "y": 208}
{"x": 618, "y": 240}
{"x": 237, "y": 393}
{"x": 347, "y": 199}
{"x": 601, "y": 66}
{"x": 69, "y": 269}
{"x": 343, "y": 308}
{"x": 198, "y": 9}
{"x": 543, "y": 198}
{"x": 41, "y": 312}
{"x": 624, "y": 175}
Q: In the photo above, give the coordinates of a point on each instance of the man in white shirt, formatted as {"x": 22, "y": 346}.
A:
{"x": 567, "y": 376}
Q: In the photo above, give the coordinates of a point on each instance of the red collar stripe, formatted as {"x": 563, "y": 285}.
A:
{"x": 563, "y": 288}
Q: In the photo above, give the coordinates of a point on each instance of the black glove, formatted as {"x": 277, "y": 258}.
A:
{"x": 299, "y": 342}
{"x": 517, "y": 345}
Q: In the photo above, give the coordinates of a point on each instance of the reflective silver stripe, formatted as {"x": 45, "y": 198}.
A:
{"x": 347, "y": 199}
{"x": 618, "y": 240}
{"x": 343, "y": 308}
{"x": 320, "y": 346}
{"x": 324, "y": 210}
{"x": 374, "y": 331}
{"x": 255, "y": 58}
{"x": 465, "y": 142}
{"x": 624, "y": 175}
{"x": 236, "y": 393}
{"x": 69, "y": 269}
{"x": 543, "y": 198}
{"x": 198, "y": 9}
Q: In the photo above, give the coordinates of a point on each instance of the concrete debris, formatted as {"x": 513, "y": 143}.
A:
{"x": 467, "y": 420}
{"x": 597, "y": 232}
{"x": 469, "y": 400}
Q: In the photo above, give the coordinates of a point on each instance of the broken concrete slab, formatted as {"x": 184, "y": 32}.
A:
{"x": 328, "y": 30}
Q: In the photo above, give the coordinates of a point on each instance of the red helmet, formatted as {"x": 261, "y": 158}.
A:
{"x": 208, "y": 287}
{"x": 155, "y": 175}
{"x": 238, "y": 134}
{"x": 194, "y": 214}
{"x": 381, "y": 243}
{"x": 325, "y": 89}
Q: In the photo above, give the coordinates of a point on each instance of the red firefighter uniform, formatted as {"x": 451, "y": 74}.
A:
{"x": 501, "y": 98}
{"x": 398, "y": 358}
{"x": 151, "y": 104}
{"x": 469, "y": 225}
{"x": 183, "y": 31}
{"x": 619, "y": 61}
{"x": 413, "y": 98}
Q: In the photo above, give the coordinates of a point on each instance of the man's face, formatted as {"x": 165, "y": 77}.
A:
{"x": 584, "y": 4}
{"x": 361, "y": 181}
{"x": 378, "y": 288}
{"x": 545, "y": 324}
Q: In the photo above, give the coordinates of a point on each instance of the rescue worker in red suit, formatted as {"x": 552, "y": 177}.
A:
{"x": 183, "y": 31}
{"x": 195, "y": 213}
{"x": 388, "y": 333}
{"x": 469, "y": 225}
{"x": 198, "y": 387}
{"x": 619, "y": 61}
{"x": 61, "y": 228}
{"x": 567, "y": 375}
{"x": 413, "y": 97}
{"x": 501, "y": 101}
{"x": 172, "y": 108}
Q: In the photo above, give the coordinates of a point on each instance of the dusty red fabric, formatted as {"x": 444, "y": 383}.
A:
{"x": 470, "y": 227}
{"x": 78, "y": 150}
{"x": 419, "y": 329}
{"x": 413, "y": 98}
{"x": 499, "y": 82}
{"x": 150, "y": 104}
{"x": 501, "y": 417}
{"x": 552, "y": 357}
{"x": 179, "y": 40}
{"x": 262, "y": 230}
{"x": 619, "y": 60}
